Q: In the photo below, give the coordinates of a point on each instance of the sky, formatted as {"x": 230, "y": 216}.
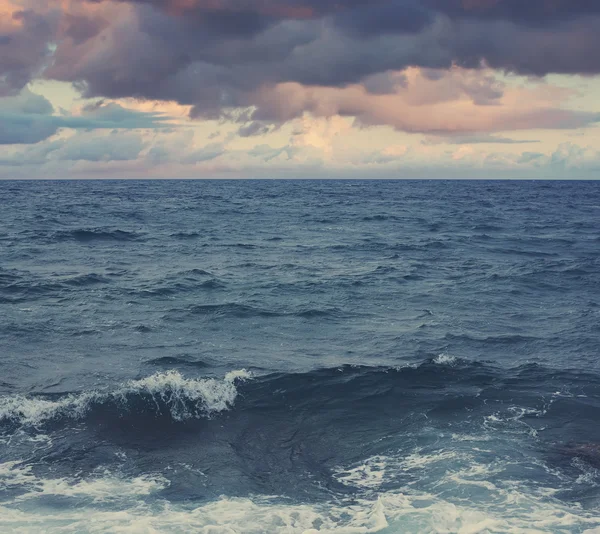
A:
{"x": 300, "y": 89}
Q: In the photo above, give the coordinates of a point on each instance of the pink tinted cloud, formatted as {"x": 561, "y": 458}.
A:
{"x": 271, "y": 8}
{"x": 110, "y": 49}
{"x": 459, "y": 102}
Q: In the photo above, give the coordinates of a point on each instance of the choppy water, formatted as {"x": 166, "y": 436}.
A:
{"x": 282, "y": 356}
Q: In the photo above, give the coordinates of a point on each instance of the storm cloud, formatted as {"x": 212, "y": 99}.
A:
{"x": 222, "y": 55}
{"x": 25, "y": 37}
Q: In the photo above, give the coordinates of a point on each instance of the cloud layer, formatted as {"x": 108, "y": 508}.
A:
{"x": 229, "y": 86}
{"x": 220, "y": 55}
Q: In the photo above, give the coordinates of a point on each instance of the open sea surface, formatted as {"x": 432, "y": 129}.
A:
{"x": 299, "y": 357}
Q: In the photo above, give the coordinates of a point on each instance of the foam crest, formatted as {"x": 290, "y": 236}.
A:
{"x": 34, "y": 411}
{"x": 445, "y": 359}
{"x": 184, "y": 398}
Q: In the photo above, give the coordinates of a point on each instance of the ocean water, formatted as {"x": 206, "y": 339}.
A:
{"x": 299, "y": 357}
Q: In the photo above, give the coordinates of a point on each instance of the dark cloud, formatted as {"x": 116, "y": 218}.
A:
{"x": 433, "y": 74}
{"x": 219, "y": 55}
{"x": 213, "y": 53}
{"x": 484, "y": 90}
{"x": 269, "y": 10}
{"x": 529, "y": 12}
{"x": 81, "y": 28}
{"x": 384, "y": 83}
{"x": 250, "y": 16}
{"x": 24, "y": 48}
{"x": 254, "y": 128}
{"x": 377, "y": 18}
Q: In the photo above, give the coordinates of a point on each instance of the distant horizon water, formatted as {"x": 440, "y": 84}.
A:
{"x": 303, "y": 179}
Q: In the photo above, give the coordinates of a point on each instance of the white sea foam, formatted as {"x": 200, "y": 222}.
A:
{"x": 513, "y": 420}
{"x": 369, "y": 474}
{"x": 418, "y": 460}
{"x": 445, "y": 359}
{"x": 589, "y": 475}
{"x": 105, "y": 487}
{"x": 391, "y": 512}
{"x": 211, "y": 395}
{"x": 184, "y": 397}
{"x": 110, "y": 503}
{"x": 376, "y": 471}
{"x": 495, "y": 505}
{"x": 471, "y": 437}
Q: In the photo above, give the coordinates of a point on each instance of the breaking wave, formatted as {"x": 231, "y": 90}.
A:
{"x": 436, "y": 447}
{"x": 168, "y": 392}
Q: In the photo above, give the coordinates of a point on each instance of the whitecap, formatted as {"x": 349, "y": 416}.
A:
{"x": 184, "y": 398}
{"x": 445, "y": 359}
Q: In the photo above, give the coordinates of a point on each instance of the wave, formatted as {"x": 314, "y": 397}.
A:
{"x": 85, "y": 280}
{"x": 502, "y": 339}
{"x": 86, "y": 235}
{"x": 486, "y": 227}
{"x": 379, "y": 218}
{"x": 179, "y": 398}
{"x": 239, "y": 245}
{"x": 20, "y": 289}
{"x": 185, "y": 235}
{"x": 173, "y": 361}
{"x": 195, "y": 272}
{"x": 421, "y": 246}
{"x": 445, "y": 359}
{"x": 311, "y": 313}
{"x": 362, "y": 448}
{"x": 245, "y": 311}
{"x": 179, "y": 282}
{"x": 229, "y": 310}
{"x": 289, "y": 408}
{"x": 168, "y": 392}
{"x": 9, "y": 276}
{"x": 178, "y": 287}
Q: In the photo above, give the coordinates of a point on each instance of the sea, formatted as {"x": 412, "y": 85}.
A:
{"x": 299, "y": 356}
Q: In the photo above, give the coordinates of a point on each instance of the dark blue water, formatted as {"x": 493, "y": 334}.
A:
{"x": 299, "y": 356}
